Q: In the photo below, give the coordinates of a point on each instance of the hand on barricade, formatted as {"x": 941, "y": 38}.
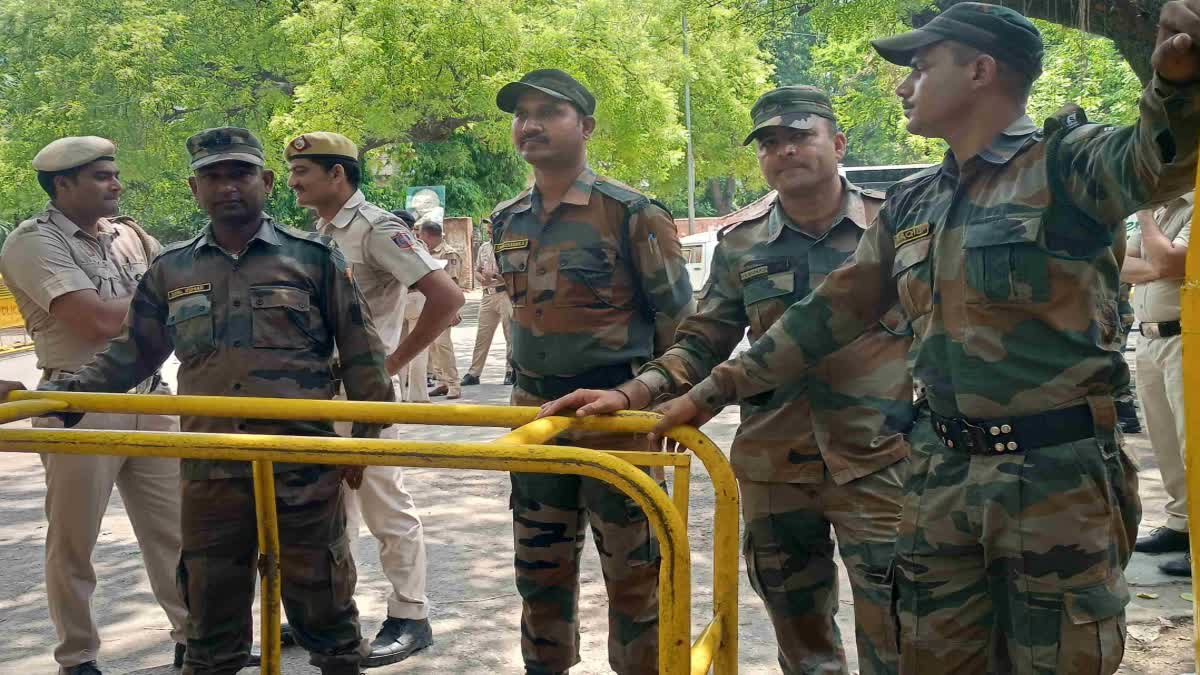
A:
{"x": 678, "y": 411}
{"x": 353, "y": 475}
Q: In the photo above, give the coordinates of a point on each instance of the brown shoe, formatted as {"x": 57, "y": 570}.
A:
{"x": 440, "y": 390}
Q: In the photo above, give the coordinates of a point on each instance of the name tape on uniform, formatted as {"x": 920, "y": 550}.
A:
{"x": 188, "y": 290}
{"x": 753, "y": 272}
{"x": 512, "y": 245}
{"x": 911, "y": 234}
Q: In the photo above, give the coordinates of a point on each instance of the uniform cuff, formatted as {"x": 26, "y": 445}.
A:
{"x": 707, "y": 394}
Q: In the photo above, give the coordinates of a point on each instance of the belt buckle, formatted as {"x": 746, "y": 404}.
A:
{"x": 1149, "y": 330}
{"x": 974, "y": 436}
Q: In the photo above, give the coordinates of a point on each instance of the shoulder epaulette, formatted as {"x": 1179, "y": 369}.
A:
{"x": 502, "y": 206}
{"x": 314, "y": 237}
{"x": 752, "y": 211}
{"x": 377, "y": 214}
{"x": 873, "y": 194}
{"x": 631, "y": 198}
{"x": 186, "y": 243}
{"x": 1067, "y": 119}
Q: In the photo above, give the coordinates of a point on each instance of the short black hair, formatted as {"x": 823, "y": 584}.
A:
{"x": 1017, "y": 82}
{"x": 46, "y": 178}
{"x": 405, "y": 215}
{"x": 351, "y": 167}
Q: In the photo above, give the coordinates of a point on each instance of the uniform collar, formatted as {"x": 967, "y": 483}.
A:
{"x": 853, "y": 210}
{"x": 1003, "y": 147}
{"x": 69, "y": 228}
{"x": 579, "y": 194}
{"x": 266, "y": 233}
{"x": 347, "y": 212}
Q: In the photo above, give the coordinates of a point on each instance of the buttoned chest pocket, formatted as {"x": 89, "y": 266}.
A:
{"x": 281, "y": 318}
{"x": 514, "y": 267}
{"x": 1004, "y": 263}
{"x": 190, "y": 325}
{"x": 585, "y": 277}
{"x": 766, "y": 297}
{"x": 103, "y": 273}
{"x": 911, "y": 270}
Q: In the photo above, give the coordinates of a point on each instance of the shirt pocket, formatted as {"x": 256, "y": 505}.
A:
{"x": 190, "y": 325}
{"x": 1004, "y": 262}
{"x": 514, "y": 267}
{"x": 767, "y": 296}
{"x": 911, "y": 272}
{"x": 280, "y": 318}
{"x": 585, "y": 277}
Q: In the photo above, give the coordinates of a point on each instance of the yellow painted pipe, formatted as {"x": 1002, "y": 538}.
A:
{"x": 536, "y": 432}
{"x": 681, "y": 488}
{"x": 19, "y": 410}
{"x": 268, "y": 567}
{"x": 674, "y": 573}
{"x": 706, "y": 646}
{"x": 1189, "y": 300}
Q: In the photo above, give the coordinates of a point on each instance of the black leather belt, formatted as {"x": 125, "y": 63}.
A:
{"x": 494, "y": 289}
{"x": 1160, "y": 329}
{"x": 551, "y": 387}
{"x": 1014, "y": 434}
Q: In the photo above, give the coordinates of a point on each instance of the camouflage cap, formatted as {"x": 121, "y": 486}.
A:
{"x": 321, "y": 145}
{"x": 796, "y": 107}
{"x": 999, "y": 31}
{"x": 224, "y": 144}
{"x": 549, "y": 81}
{"x": 72, "y": 151}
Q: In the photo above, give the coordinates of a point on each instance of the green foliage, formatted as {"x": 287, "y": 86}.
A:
{"x": 411, "y": 81}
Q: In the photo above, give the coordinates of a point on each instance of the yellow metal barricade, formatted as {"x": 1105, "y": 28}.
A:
{"x": 522, "y": 450}
{"x": 1189, "y": 300}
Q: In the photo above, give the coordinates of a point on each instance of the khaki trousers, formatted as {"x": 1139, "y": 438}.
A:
{"x": 494, "y": 308}
{"x": 78, "y": 488}
{"x": 1160, "y": 389}
{"x": 388, "y": 510}
{"x": 412, "y": 376}
{"x": 441, "y": 362}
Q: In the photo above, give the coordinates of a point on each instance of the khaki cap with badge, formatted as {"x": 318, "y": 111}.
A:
{"x": 321, "y": 145}
{"x": 73, "y": 151}
{"x": 224, "y": 144}
{"x": 552, "y": 82}
{"x": 1003, "y": 33}
{"x": 795, "y": 107}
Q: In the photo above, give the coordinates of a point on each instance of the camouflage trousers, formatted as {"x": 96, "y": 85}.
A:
{"x": 1013, "y": 563}
{"x": 217, "y": 571}
{"x": 550, "y": 517}
{"x": 789, "y": 559}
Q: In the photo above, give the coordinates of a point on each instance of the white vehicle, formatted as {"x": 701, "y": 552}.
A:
{"x": 698, "y": 252}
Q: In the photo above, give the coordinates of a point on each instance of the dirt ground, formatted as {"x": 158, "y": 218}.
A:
{"x": 475, "y": 607}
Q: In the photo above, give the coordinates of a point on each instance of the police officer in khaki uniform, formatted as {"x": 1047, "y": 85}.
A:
{"x": 385, "y": 260}
{"x": 73, "y": 269}
{"x": 495, "y": 309}
{"x": 441, "y": 352}
{"x": 1154, "y": 260}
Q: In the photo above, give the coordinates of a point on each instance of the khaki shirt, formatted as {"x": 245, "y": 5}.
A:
{"x": 48, "y": 256}
{"x": 1159, "y": 300}
{"x": 486, "y": 265}
{"x": 385, "y": 258}
{"x": 445, "y": 251}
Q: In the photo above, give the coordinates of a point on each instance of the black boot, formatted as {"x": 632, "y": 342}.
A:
{"x": 180, "y": 654}
{"x": 470, "y": 380}
{"x": 1127, "y": 417}
{"x": 88, "y": 668}
{"x": 1177, "y": 567}
{"x": 1162, "y": 540}
{"x": 397, "y": 640}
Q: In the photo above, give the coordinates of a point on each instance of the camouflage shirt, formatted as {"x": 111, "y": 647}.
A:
{"x": 591, "y": 283}
{"x": 849, "y": 413}
{"x": 262, "y": 323}
{"x": 1006, "y": 266}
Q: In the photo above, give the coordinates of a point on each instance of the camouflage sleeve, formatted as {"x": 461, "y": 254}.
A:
{"x": 360, "y": 351}
{"x": 662, "y": 271}
{"x": 704, "y": 339}
{"x": 1110, "y": 173}
{"x": 142, "y": 347}
{"x": 850, "y": 300}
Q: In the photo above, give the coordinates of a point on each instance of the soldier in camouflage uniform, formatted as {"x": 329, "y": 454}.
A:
{"x": 252, "y": 308}
{"x": 828, "y": 449}
{"x": 1123, "y": 396}
{"x": 591, "y": 265}
{"x": 1020, "y": 503}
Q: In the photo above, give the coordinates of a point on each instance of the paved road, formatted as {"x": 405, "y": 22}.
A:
{"x": 475, "y": 607}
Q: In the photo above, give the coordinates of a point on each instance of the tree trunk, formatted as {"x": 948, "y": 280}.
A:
{"x": 720, "y": 190}
{"x": 1131, "y": 24}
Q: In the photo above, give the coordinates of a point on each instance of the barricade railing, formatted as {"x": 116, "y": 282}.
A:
{"x": 523, "y": 449}
{"x": 1189, "y": 301}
